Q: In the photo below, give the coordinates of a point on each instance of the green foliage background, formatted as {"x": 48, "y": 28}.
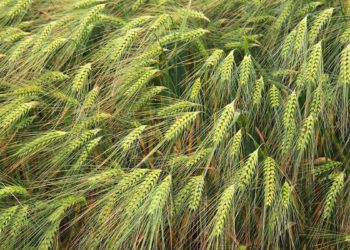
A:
{"x": 168, "y": 124}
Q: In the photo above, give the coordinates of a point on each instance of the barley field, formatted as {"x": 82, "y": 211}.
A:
{"x": 174, "y": 124}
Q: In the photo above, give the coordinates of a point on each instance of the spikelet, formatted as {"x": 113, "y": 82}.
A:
{"x": 163, "y": 21}
{"x": 305, "y": 133}
{"x": 27, "y": 91}
{"x": 288, "y": 45}
{"x": 17, "y": 114}
{"x": 258, "y": 89}
{"x": 192, "y": 35}
{"x": 13, "y": 190}
{"x": 222, "y": 210}
{"x": 20, "y": 49}
{"x": 12, "y": 104}
{"x": 345, "y": 36}
{"x": 131, "y": 179}
{"x": 91, "y": 98}
{"x": 201, "y": 48}
{"x": 214, "y": 58}
{"x": 309, "y": 7}
{"x": 41, "y": 142}
{"x": 75, "y": 144}
{"x": 6, "y": 215}
{"x": 137, "y": 4}
{"x": 286, "y": 192}
{"x": 139, "y": 21}
{"x": 160, "y": 196}
{"x": 111, "y": 20}
{"x": 11, "y": 35}
{"x": 161, "y": 2}
{"x": 236, "y": 144}
{"x": 81, "y": 78}
{"x": 246, "y": 173}
{"x": 51, "y": 77}
{"x": 63, "y": 97}
{"x": 288, "y": 138}
{"x": 318, "y": 24}
{"x": 197, "y": 185}
{"x": 226, "y": 67}
{"x": 64, "y": 205}
{"x": 177, "y": 160}
{"x": 146, "y": 97}
{"x": 91, "y": 122}
{"x": 142, "y": 191}
{"x": 49, "y": 237}
{"x": 86, "y": 3}
{"x": 4, "y": 3}
{"x": 19, "y": 9}
{"x": 300, "y": 37}
{"x": 86, "y": 152}
{"x": 245, "y": 70}
{"x": 196, "y": 87}
{"x": 302, "y": 77}
{"x": 333, "y": 192}
{"x": 134, "y": 74}
{"x": 269, "y": 180}
{"x": 193, "y": 14}
{"x": 286, "y": 11}
{"x": 274, "y": 97}
{"x": 25, "y": 123}
{"x": 107, "y": 208}
{"x": 314, "y": 64}
{"x": 54, "y": 46}
{"x": 86, "y": 24}
{"x": 129, "y": 140}
{"x": 143, "y": 80}
{"x": 223, "y": 124}
{"x": 261, "y": 19}
{"x": 180, "y": 125}
{"x": 186, "y": 36}
{"x": 121, "y": 46}
{"x": 197, "y": 157}
{"x": 19, "y": 221}
{"x": 151, "y": 54}
{"x": 184, "y": 193}
{"x": 177, "y": 107}
{"x": 289, "y": 111}
{"x": 43, "y": 36}
{"x": 103, "y": 177}
{"x": 344, "y": 73}
{"x": 326, "y": 167}
{"x": 316, "y": 104}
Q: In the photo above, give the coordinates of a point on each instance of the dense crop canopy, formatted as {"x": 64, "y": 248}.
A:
{"x": 174, "y": 124}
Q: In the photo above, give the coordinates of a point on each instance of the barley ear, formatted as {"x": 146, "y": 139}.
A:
{"x": 223, "y": 124}
{"x": 258, "y": 89}
{"x": 269, "y": 181}
{"x": 286, "y": 193}
{"x": 160, "y": 196}
{"x": 245, "y": 174}
{"x": 332, "y": 194}
{"x": 180, "y": 125}
{"x": 226, "y": 67}
{"x": 223, "y": 208}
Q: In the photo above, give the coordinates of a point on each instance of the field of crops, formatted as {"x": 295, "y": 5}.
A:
{"x": 174, "y": 124}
